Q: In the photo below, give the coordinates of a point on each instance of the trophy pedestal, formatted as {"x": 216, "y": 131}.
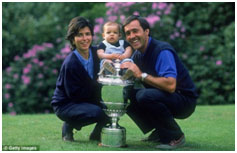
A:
{"x": 113, "y": 137}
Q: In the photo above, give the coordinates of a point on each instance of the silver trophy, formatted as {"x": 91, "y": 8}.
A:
{"x": 114, "y": 135}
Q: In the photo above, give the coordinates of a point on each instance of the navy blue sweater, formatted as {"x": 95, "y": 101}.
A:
{"x": 147, "y": 64}
{"x": 74, "y": 83}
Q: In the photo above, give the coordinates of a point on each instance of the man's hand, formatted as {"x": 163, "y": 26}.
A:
{"x": 132, "y": 67}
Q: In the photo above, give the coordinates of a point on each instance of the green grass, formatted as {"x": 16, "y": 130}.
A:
{"x": 210, "y": 128}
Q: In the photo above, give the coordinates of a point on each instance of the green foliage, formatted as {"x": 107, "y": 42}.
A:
{"x": 202, "y": 34}
{"x": 210, "y": 128}
{"x": 29, "y": 82}
{"x": 26, "y": 24}
{"x": 208, "y": 50}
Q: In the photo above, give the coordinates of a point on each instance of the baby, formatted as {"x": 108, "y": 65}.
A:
{"x": 111, "y": 48}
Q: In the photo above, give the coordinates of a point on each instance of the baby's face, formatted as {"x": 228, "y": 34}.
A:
{"x": 111, "y": 34}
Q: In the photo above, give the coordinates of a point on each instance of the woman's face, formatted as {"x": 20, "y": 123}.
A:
{"x": 83, "y": 39}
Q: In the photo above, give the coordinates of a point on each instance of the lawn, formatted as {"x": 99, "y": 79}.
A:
{"x": 210, "y": 128}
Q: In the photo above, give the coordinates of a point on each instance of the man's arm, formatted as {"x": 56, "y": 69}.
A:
{"x": 167, "y": 84}
{"x": 163, "y": 83}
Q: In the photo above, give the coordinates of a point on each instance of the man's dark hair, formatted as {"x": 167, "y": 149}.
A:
{"x": 74, "y": 26}
{"x": 143, "y": 22}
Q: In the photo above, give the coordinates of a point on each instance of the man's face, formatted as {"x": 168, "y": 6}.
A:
{"x": 136, "y": 36}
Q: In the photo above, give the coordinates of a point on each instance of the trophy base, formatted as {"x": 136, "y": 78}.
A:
{"x": 113, "y": 137}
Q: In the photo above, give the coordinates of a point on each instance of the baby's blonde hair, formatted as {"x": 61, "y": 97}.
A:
{"x": 109, "y": 23}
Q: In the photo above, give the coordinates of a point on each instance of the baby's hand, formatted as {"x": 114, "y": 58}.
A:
{"x": 115, "y": 56}
{"x": 121, "y": 57}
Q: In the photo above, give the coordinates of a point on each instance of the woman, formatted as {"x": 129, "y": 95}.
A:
{"x": 77, "y": 96}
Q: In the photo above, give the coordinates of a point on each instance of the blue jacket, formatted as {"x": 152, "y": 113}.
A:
{"x": 147, "y": 63}
{"x": 74, "y": 83}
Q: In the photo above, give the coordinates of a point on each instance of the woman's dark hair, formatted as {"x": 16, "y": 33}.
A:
{"x": 74, "y": 26}
{"x": 143, "y": 22}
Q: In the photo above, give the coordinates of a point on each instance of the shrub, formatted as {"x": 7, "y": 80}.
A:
{"x": 202, "y": 34}
{"x": 212, "y": 66}
{"x": 157, "y": 14}
{"x": 26, "y": 24}
{"x": 29, "y": 82}
{"x": 208, "y": 50}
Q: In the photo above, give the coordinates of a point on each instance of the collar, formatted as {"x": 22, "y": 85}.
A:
{"x": 82, "y": 58}
{"x": 149, "y": 42}
{"x": 117, "y": 44}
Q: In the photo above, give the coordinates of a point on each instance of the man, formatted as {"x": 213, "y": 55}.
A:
{"x": 168, "y": 91}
